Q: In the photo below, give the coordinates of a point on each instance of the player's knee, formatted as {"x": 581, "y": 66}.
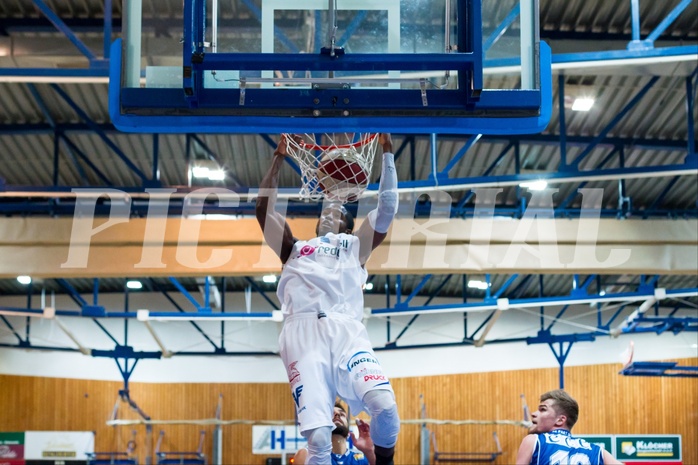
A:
{"x": 385, "y": 421}
{"x": 319, "y": 445}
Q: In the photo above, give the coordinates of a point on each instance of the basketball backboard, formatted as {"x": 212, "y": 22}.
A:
{"x": 410, "y": 66}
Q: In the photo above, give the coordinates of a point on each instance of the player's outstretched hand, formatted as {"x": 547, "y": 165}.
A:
{"x": 363, "y": 442}
{"x": 385, "y": 140}
{"x": 282, "y": 148}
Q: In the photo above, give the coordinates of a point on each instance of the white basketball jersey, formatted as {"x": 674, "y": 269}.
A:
{"x": 324, "y": 274}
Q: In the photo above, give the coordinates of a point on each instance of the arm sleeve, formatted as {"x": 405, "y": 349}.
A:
{"x": 381, "y": 217}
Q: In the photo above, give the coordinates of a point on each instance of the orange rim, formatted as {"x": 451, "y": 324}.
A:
{"x": 344, "y": 146}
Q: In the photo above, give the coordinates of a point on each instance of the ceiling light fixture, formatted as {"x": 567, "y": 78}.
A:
{"x": 133, "y": 284}
{"x": 269, "y": 278}
{"x": 24, "y": 279}
{"x": 208, "y": 169}
{"x": 582, "y": 104}
{"x": 477, "y": 284}
{"x": 534, "y": 185}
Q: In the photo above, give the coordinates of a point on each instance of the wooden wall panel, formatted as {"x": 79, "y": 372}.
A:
{"x": 609, "y": 403}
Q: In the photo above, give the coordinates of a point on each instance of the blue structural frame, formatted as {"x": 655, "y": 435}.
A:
{"x": 469, "y": 109}
{"x": 569, "y": 171}
{"x": 670, "y": 369}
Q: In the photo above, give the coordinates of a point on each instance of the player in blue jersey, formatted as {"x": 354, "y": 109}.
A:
{"x": 341, "y": 454}
{"x": 550, "y": 442}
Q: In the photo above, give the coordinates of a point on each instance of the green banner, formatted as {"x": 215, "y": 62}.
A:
{"x": 11, "y": 439}
{"x": 648, "y": 448}
{"x": 605, "y": 442}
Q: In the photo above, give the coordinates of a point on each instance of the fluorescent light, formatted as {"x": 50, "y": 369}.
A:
{"x": 602, "y": 293}
{"x": 24, "y": 279}
{"x": 200, "y": 172}
{"x": 582, "y": 104}
{"x": 269, "y": 278}
{"x": 534, "y": 185}
{"x": 368, "y": 286}
{"x": 476, "y": 284}
{"x": 216, "y": 175}
{"x": 133, "y": 284}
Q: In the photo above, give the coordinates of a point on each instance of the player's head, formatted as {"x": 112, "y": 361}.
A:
{"x": 340, "y": 420}
{"x": 335, "y": 219}
{"x": 557, "y": 409}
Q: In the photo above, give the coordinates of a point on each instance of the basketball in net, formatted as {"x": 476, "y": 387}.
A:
{"x": 340, "y": 170}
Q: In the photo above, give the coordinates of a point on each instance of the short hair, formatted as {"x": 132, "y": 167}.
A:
{"x": 338, "y": 404}
{"x": 563, "y": 404}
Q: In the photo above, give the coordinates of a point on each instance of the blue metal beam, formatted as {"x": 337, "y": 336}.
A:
{"x": 666, "y": 22}
{"x": 466, "y": 197}
{"x": 615, "y": 120}
{"x": 670, "y": 369}
{"x": 416, "y": 290}
{"x": 501, "y": 29}
{"x": 635, "y": 19}
{"x": 529, "y": 302}
{"x": 47, "y": 115}
{"x": 575, "y": 192}
{"x": 557, "y": 317}
{"x": 351, "y": 28}
{"x": 272, "y": 143}
{"x": 261, "y": 292}
{"x": 690, "y": 102}
{"x": 97, "y": 130}
{"x": 62, "y": 27}
{"x": 538, "y": 139}
{"x": 561, "y": 117}
{"x": 505, "y": 286}
{"x": 77, "y": 298}
{"x": 278, "y": 33}
{"x": 12, "y": 329}
{"x": 181, "y": 310}
{"x": 189, "y": 297}
{"x": 472, "y": 140}
{"x": 85, "y": 159}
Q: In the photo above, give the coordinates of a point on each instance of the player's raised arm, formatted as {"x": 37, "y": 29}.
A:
{"x": 276, "y": 230}
{"x": 375, "y": 228}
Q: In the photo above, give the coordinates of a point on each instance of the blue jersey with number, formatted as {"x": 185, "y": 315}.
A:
{"x": 349, "y": 458}
{"x": 558, "y": 447}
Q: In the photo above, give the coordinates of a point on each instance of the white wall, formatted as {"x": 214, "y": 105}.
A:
{"x": 262, "y": 336}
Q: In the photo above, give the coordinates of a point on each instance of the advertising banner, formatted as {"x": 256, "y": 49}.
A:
{"x": 58, "y": 445}
{"x": 11, "y": 448}
{"x": 641, "y": 449}
{"x": 270, "y": 440}
{"x": 603, "y": 441}
{"x": 276, "y": 439}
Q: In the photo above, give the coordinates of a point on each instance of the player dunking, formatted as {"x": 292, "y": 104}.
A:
{"x": 324, "y": 345}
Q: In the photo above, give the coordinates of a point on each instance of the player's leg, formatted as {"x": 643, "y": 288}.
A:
{"x": 363, "y": 384}
{"x": 385, "y": 423}
{"x": 305, "y": 355}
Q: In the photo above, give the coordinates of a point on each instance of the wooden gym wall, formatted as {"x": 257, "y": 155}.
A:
{"x": 609, "y": 404}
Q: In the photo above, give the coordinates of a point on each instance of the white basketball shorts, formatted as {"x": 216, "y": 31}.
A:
{"x": 325, "y": 357}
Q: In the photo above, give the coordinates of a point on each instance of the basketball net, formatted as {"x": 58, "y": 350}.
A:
{"x": 334, "y": 166}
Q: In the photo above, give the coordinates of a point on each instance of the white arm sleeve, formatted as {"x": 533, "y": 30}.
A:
{"x": 381, "y": 217}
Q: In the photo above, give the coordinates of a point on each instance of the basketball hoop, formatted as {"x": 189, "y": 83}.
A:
{"x": 334, "y": 166}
